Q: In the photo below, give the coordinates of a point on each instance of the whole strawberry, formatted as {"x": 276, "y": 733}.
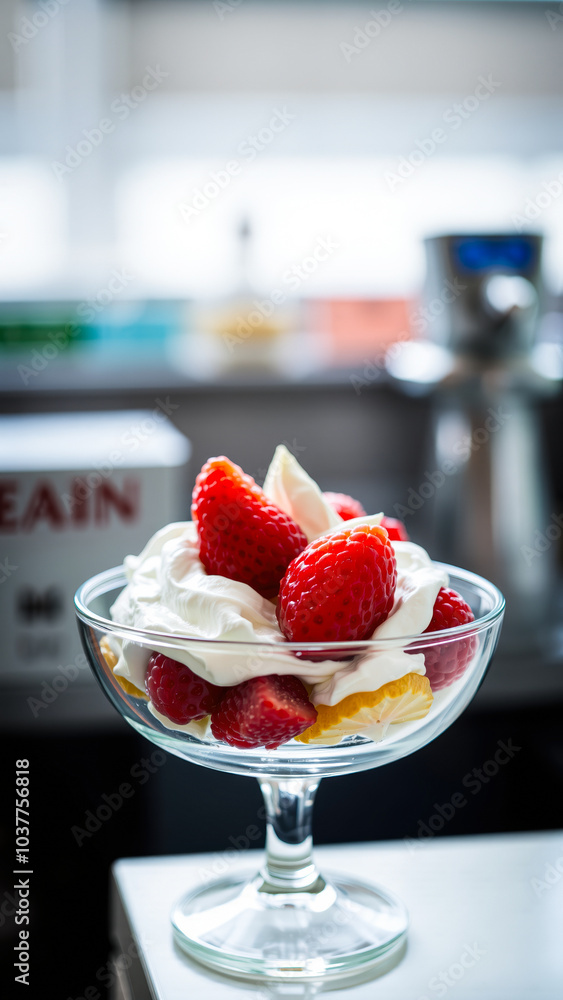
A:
{"x": 341, "y": 587}
{"x": 445, "y": 663}
{"x": 344, "y": 505}
{"x": 178, "y": 693}
{"x": 263, "y": 712}
{"x": 242, "y": 534}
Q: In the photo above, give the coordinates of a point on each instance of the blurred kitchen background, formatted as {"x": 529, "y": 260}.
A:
{"x": 219, "y": 230}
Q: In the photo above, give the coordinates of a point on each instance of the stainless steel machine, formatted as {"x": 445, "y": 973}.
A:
{"x": 491, "y": 508}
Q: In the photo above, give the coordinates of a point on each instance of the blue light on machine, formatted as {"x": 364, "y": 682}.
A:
{"x": 479, "y": 255}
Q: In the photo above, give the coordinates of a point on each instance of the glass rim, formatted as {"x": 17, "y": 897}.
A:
{"x": 110, "y": 579}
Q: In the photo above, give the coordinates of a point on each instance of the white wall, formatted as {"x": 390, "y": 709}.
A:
{"x": 356, "y": 114}
{"x": 292, "y": 46}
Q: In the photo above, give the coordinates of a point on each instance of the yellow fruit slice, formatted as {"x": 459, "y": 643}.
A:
{"x": 403, "y": 700}
{"x": 111, "y": 660}
{"x": 130, "y": 688}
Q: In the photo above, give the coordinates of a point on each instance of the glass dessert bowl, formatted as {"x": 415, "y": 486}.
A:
{"x": 289, "y": 921}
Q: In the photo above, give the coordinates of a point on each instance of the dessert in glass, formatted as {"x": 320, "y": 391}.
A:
{"x": 283, "y": 633}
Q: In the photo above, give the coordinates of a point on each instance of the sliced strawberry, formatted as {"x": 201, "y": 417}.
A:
{"x": 263, "y": 711}
{"x": 395, "y": 529}
{"x": 445, "y": 663}
{"x": 340, "y": 587}
{"x": 178, "y": 693}
{"x": 344, "y": 505}
{"x": 242, "y": 534}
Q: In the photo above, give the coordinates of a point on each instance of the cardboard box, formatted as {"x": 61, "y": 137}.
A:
{"x": 78, "y": 492}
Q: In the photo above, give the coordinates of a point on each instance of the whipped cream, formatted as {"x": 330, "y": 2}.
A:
{"x": 418, "y": 583}
{"x": 169, "y": 591}
{"x": 198, "y": 727}
{"x": 293, "y": 491}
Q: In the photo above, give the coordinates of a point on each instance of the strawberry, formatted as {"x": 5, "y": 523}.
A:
{"x": 242, "y": 534}
{"x": 344, "y": 505}
{"x": 263, "y": 712}
{"x": 395, "y": 529}
{"x": 340, "y": 587}
{"x": 348, "y": 508}
{"x": 178, "y": 693}
{"x": 446, "y": 662}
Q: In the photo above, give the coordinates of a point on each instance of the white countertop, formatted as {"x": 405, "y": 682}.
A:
{"x": 494, "y": 901}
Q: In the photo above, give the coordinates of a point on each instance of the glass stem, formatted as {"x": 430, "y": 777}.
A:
{"x": 289, "y": 843}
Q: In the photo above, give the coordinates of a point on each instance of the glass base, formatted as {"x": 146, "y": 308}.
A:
{"x": 249, "y": 928}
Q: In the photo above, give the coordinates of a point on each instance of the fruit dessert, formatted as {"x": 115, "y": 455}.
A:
{"x": 266, "y": 575}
